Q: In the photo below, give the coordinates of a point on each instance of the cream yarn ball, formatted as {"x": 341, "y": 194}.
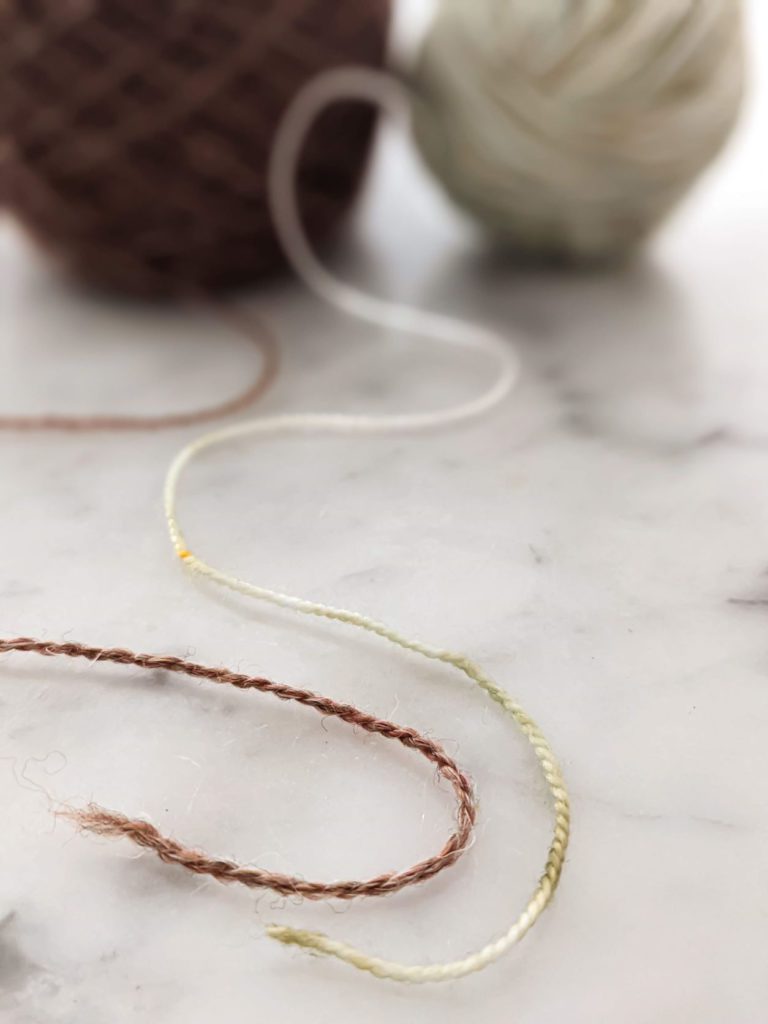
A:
{"x": 570, "y": 128}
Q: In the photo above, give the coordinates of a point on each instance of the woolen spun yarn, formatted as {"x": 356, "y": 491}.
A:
{"x": 570, "y": 129}
{"x": 136, "y": 133}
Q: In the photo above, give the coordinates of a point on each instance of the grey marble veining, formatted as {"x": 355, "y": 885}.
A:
{"x": 600, "y": 544}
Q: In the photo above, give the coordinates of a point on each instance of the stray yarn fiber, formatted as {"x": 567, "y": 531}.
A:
{"x": 109, "y": 823}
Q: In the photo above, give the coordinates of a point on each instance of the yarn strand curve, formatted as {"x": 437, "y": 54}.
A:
{"x": 362, "y": 84}
{"x": 103, "y": 822}
{"x": 254, "y": 330}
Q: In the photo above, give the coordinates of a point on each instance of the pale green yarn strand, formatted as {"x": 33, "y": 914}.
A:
{"x": 423, "y": 973}
{"x": 347, "y": 84}
{"x": 319, "y": 943}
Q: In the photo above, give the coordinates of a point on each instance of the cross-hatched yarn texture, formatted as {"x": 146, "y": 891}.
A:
{"x": 136, "y": 133}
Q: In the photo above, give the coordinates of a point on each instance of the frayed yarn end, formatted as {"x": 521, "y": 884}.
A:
{"x": 313, "y": 942}
{"x": 97, "y": 820}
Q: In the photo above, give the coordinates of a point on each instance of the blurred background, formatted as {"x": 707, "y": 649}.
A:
{"x": 587, "y": 178}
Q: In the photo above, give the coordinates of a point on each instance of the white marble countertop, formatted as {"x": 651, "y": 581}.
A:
{"x": 600, "y": 544}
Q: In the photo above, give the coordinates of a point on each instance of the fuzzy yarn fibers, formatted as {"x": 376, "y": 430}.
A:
{"x": 135, "y": 134}
{"x": 570, "y": 128}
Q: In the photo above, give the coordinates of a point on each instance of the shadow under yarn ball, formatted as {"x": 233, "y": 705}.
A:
{"x": 136, "y": 133}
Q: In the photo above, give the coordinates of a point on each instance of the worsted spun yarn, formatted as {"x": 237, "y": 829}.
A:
{"x": 571, "y": 128}
{"x": 136, "y": 133}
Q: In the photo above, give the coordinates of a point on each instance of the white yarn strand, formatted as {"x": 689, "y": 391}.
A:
{"x": 378, "y": 88}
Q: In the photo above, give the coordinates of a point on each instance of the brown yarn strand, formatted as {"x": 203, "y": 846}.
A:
{"x": 255, "y": 330}
{"x": 103, "y": 822}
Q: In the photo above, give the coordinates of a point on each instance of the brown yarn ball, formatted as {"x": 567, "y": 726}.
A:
{"x": 135, "y": 134}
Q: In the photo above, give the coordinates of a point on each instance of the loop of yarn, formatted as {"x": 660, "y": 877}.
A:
{"x": 109, "y": 823}
{"x": 571, "y": 129}
{"x": 333, "y": 87}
